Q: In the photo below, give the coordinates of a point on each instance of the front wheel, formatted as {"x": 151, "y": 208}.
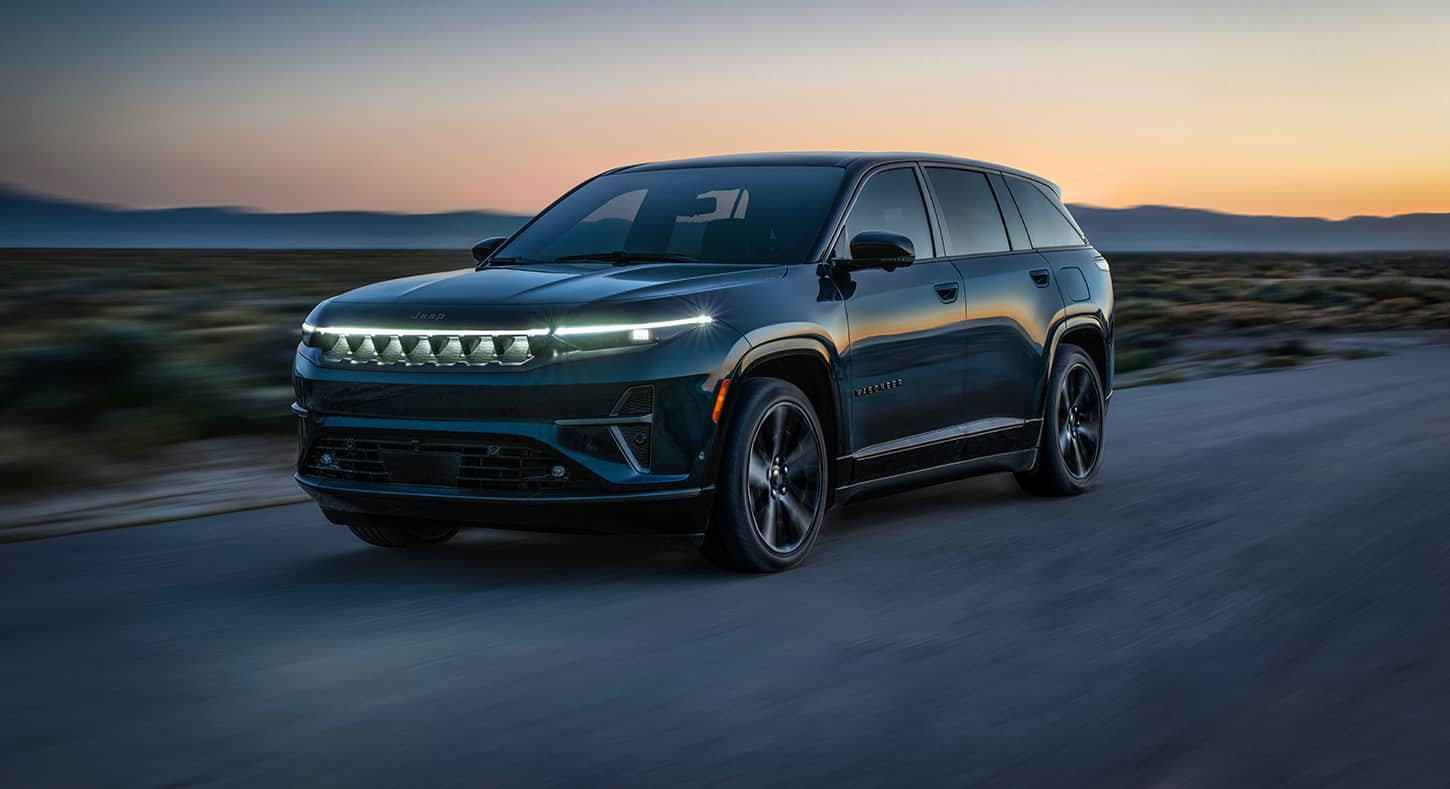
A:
{"x": 772, "y": 488}
{"x": 1071, "y": 449}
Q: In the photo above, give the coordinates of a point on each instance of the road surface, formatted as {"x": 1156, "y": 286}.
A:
{"x": 1256, "y": 594}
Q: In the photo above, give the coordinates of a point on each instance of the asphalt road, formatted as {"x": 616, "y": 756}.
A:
{"x": 1255, "y": 595}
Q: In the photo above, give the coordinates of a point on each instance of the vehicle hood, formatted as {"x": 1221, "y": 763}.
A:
{"x": 559, "y": 284}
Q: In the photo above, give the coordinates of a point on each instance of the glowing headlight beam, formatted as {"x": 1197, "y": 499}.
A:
{"x": 637, "y": 331}
{"x": 698, "y": 320}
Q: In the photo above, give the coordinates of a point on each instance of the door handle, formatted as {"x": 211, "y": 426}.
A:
{"x": 947, "y": 292}
{"x": 1040, "y": 278}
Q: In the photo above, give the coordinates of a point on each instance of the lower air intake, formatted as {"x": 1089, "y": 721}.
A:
{"x": 485, "y": 463}
{"x": 634, "y": 437}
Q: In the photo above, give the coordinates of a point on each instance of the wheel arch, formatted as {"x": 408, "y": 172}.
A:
{"x": 809, "y": 364}
{"x": 1083, "y": 331}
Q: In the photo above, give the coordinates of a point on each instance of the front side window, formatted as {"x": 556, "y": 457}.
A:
{"x": 749, "y": 214}
{"x": 890, "y": 201}
{"x": 1047, "y": 224}
{"x": 969, "y": 211}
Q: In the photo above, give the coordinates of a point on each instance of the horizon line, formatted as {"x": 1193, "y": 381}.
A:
{"x": 10, "y": 189}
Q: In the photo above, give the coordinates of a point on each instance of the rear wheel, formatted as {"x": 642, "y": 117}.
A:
{"x": 386, "y": 534}
{"x": 1071, "y": 449}
{"x": 771, "y": 493}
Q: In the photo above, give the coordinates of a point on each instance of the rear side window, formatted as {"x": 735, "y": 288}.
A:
{"x": 1047, "y": 224}
{"x": 890, "y": 201}
{"x": 973, "y": 223}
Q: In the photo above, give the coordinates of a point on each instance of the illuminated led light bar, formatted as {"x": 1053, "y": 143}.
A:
{"x": 562, "y": 331}
{"x": 565, "y": 331}
{"x": 427, "y": 345}
{"x": 422, "y": 331}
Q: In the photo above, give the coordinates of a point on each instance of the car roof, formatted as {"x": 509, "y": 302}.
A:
{"x": 851, "y": 160}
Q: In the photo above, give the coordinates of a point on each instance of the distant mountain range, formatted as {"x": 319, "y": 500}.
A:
{"x": 30, "y": 220}
{"x": 1156, "y": 228}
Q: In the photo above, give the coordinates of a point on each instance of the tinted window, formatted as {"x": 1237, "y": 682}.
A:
{"x": 724, "y": 214}
{"x": 1016, "y": 231}
{"x": 890, "y": 201}
{"x": 1046, "y": 223}
{"x": 973, "y": 223}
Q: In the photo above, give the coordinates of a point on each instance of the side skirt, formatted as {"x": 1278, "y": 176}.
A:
{"x": 1017, "y": 460}
{"x": 981, "y": 439}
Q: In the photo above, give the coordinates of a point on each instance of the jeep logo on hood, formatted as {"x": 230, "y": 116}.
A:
{"x": 428, "y": 316}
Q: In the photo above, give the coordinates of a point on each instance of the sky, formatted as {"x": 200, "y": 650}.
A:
{"x": 1292, "y": 107}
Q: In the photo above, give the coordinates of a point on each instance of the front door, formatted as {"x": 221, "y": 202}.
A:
{"x": 905, "y": 360}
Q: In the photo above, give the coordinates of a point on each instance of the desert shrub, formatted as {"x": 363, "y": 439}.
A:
{"x": 1145, "y": 337}
{"x": 1127, "y": 361}
{"x": 1274, "y": 362}
{"x": 1292, "y": 346}
{"x": 135, "y": 380}
{"x": 1313, "y": 293}
{"x": 1359, "y": 353}
{"x": 1140, "y": 347}
{"x": 1384, "y": 290}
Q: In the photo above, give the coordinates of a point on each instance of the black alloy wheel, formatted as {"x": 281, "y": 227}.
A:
{"x": 773, "y": 484}
{"x": 1080, "y": 420}
{"x": 1070, "y": 451}
{"x": 784, "y": 475}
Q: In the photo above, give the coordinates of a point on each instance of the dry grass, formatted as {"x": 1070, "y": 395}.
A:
{"x": 126, "y": 352}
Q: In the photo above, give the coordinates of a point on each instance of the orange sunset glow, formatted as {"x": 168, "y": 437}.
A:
{"x": 1297, "y": 108}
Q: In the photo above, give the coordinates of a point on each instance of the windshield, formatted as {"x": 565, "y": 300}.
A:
{"x": 750, "y": 214}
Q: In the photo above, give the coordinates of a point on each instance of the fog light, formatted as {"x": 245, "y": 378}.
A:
{"x": 558, "y": 472}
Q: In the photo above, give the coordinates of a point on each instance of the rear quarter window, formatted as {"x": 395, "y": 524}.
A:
{"x": 1047, "y": 220}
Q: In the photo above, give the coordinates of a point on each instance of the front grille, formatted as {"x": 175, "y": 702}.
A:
{"x": 487, "y": 463}
{"x": 442, "y": 350}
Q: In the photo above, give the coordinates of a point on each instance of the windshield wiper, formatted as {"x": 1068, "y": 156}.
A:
{"x": 511, "y": 261}
{"x": 620, "y": 257}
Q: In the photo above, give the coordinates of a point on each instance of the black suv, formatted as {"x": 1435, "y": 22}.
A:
{"x": 722, "y": 347}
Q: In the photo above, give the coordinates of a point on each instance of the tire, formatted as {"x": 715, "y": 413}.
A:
{"x": 381, "y": 536}
{"x": 431, "y": 532}
{"x": 774, "y": 481}
{"x": 1070, "y": 452}
{"x": 399, "y": 535}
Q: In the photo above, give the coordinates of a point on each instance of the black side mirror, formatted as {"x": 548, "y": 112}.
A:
{"x": 880, "y": 249}
{"x": 484, "y": 248}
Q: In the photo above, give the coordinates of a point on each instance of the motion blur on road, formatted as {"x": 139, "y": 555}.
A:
{"x": 1254, "y": 595}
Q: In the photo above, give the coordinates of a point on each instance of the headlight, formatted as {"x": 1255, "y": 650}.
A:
{"x": 623, "y": 335}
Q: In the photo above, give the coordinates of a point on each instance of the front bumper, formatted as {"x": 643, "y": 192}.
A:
{"x": 539, "y": 446}
{"x": 679, "y": 511}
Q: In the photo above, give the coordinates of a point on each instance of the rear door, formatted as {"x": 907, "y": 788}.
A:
{"x": 1058, "y": 239}
{"x": 1011, "y": 300}
{"x": 905, "y": 359}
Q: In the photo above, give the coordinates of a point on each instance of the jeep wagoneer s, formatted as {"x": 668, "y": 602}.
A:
{"x": 722, "y": 347}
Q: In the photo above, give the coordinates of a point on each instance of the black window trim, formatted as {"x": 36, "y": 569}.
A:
{"x": 928, "y": 204}
{"x": 1000, "y": 217}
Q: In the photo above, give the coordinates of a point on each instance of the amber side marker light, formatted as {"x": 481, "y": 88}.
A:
{"x": 720, "y": 400}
